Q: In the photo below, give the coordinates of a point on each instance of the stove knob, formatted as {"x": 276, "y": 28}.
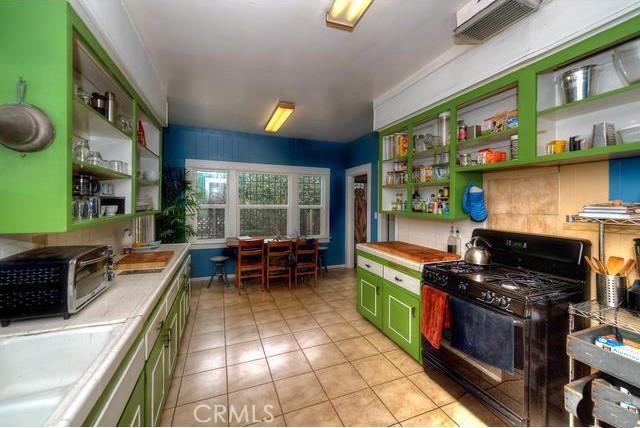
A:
{"x": 462, "y": 286}
{"x": 485, "y": 295}
{"x": 503, "y": 302}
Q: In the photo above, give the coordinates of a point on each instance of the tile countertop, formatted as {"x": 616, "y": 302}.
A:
{"x": 128, "y": 301}
{"x": 408, "y": 255}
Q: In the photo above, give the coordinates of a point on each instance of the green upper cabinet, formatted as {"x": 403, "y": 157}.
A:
{"x": 515, "y": 121}
{"x": 62, "y": 63}
{"x": 35, "y": 189}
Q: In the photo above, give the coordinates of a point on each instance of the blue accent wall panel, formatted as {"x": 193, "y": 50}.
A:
{"x": 184, "y": 142}
{"x": 624, "y": 179}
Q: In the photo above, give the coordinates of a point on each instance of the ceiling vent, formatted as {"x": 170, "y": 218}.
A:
{"x": 479, "y": 20}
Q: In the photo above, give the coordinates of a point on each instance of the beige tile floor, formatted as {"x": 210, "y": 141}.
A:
{"x": 310, "y": 357}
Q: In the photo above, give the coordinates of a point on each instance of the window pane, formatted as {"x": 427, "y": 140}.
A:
{"x": 310, "y": 190}
{"x": 210, "y": 223}
{"x": 211, "y": 187}
{"x": 310, "y": 221}
{"x": 260, "y": 221}
{"x": 262, "y": 189}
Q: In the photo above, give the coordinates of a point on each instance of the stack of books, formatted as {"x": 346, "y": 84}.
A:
{"x": 628, "y": 211}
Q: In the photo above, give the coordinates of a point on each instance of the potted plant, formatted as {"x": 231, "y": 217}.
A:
{"x": 179, "y": 200}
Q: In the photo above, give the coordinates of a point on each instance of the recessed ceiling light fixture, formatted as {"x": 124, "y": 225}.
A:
{"x": 281, "y": 113}
{"x": 345, "y": 14}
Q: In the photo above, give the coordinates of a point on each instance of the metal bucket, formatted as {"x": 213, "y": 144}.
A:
{"x": 611, "y": 290}
{"x": 578, "y": 83}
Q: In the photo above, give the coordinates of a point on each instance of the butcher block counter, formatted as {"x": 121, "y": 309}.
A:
{"x": 405, "y": 254}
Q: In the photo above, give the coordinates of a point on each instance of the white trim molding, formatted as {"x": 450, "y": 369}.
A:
{"x": 349, "y": 176}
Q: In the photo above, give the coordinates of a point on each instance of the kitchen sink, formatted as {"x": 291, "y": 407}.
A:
{"x": 38, "y": 370}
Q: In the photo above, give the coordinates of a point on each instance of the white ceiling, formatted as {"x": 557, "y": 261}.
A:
{"x": 225, "y": 63}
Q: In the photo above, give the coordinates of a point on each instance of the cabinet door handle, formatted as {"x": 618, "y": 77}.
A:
{"x": 168, "y": 338}
{"x": 397, "y": 279}
{"x": 413, "y": 312}
{"x": 368, "y": 265}
{"x": 377, "y": 291}
{"x": 160, "y": 325}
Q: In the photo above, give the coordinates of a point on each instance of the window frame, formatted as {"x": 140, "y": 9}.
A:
{"x": 321, "y": 206}
{"x": 193, "y": 221}
{"x": 232, "y": 208}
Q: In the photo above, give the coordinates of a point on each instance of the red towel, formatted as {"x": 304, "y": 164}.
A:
{"x": 435, "y": 314}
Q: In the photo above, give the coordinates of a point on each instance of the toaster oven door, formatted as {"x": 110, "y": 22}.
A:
{"x": 90, "y": 279}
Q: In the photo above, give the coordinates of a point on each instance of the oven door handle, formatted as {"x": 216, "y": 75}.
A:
{"x": 84, "y": 263}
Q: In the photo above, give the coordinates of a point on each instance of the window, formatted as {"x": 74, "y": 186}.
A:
{"x": 211, "y": 188}
{"x": 310, "y": 204}
{"x": 263, "y": 203}
{"x": 241, "y": 199}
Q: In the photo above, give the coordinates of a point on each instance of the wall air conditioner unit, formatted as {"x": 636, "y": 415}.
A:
{"x": 479, "y": 20}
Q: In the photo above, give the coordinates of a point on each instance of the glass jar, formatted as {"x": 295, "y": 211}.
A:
{"x": 81, "y": 149}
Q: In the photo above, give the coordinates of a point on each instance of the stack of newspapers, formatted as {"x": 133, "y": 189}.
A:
{"x": 629, "y": 211}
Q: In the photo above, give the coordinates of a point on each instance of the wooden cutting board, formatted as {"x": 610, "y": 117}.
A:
{"x": 415, "y": 253}
{"x": 152, "y": 261}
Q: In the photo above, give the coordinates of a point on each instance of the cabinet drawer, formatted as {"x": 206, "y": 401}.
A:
{"x": 155, "y": 327}
{"x": 173, "y": 291}
{"x": 402, "y": 280}
{"x": 369, "y": 265}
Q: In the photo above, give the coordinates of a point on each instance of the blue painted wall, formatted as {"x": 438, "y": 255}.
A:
{"x": 624, "y": 179}
{"x": 183, "y": 142}
{"x": 362, "y": 151}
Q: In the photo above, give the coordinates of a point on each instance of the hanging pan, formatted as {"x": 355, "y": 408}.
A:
{"x": 23, "y": 127}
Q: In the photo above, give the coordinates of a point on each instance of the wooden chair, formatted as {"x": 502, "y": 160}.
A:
{"x": 250, "y": 263}
{"x": 306, "y": 253}
{"x": 278, "y": 261}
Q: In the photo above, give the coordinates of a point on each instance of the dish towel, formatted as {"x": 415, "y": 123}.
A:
{"x": 482, "y": 334}
{"x": 435, "y": 314}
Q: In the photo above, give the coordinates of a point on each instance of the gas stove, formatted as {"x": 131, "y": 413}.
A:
{"x": 504, "y": 287}
{"x": 531, "y": 281}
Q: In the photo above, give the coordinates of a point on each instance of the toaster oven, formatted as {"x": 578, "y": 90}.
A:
{"x": 52, "y": 281}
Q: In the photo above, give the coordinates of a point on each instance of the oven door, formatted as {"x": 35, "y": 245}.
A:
{"x": 89, "y": 280}
{"x": 503, "y": 391}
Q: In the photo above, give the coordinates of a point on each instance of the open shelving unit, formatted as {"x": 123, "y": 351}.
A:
{"x": 542, "y": 114}
{"x": 90, "y": 76}
{"x": 611, "y": 99}
{"x": 148, "y": 160}
{"x": 495, "y": 135}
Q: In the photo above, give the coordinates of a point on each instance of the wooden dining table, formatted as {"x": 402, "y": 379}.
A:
{"x": 233, "y": 241}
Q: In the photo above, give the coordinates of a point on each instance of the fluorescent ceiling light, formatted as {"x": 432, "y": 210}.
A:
{"x": 345, "y": 14}
{"x": 281, "y": 113}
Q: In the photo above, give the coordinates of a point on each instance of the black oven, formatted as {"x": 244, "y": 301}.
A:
{"x": 506, "y": 390}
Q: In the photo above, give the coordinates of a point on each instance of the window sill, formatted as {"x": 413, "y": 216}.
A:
{"x": 195, "y": 245}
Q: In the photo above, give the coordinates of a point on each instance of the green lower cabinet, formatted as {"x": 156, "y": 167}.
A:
{"x": 133, "y": 414}
{"x": 156, "y": 382}
{"x": 369, "y": 295}
{"x": 173, "y": 336}
{"x": 401, "y": 321}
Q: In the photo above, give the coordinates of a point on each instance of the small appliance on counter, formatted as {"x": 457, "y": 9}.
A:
{"x": 52, "y": 281}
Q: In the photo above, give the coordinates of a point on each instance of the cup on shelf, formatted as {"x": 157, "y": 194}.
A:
{"x": 151, "y": 175}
